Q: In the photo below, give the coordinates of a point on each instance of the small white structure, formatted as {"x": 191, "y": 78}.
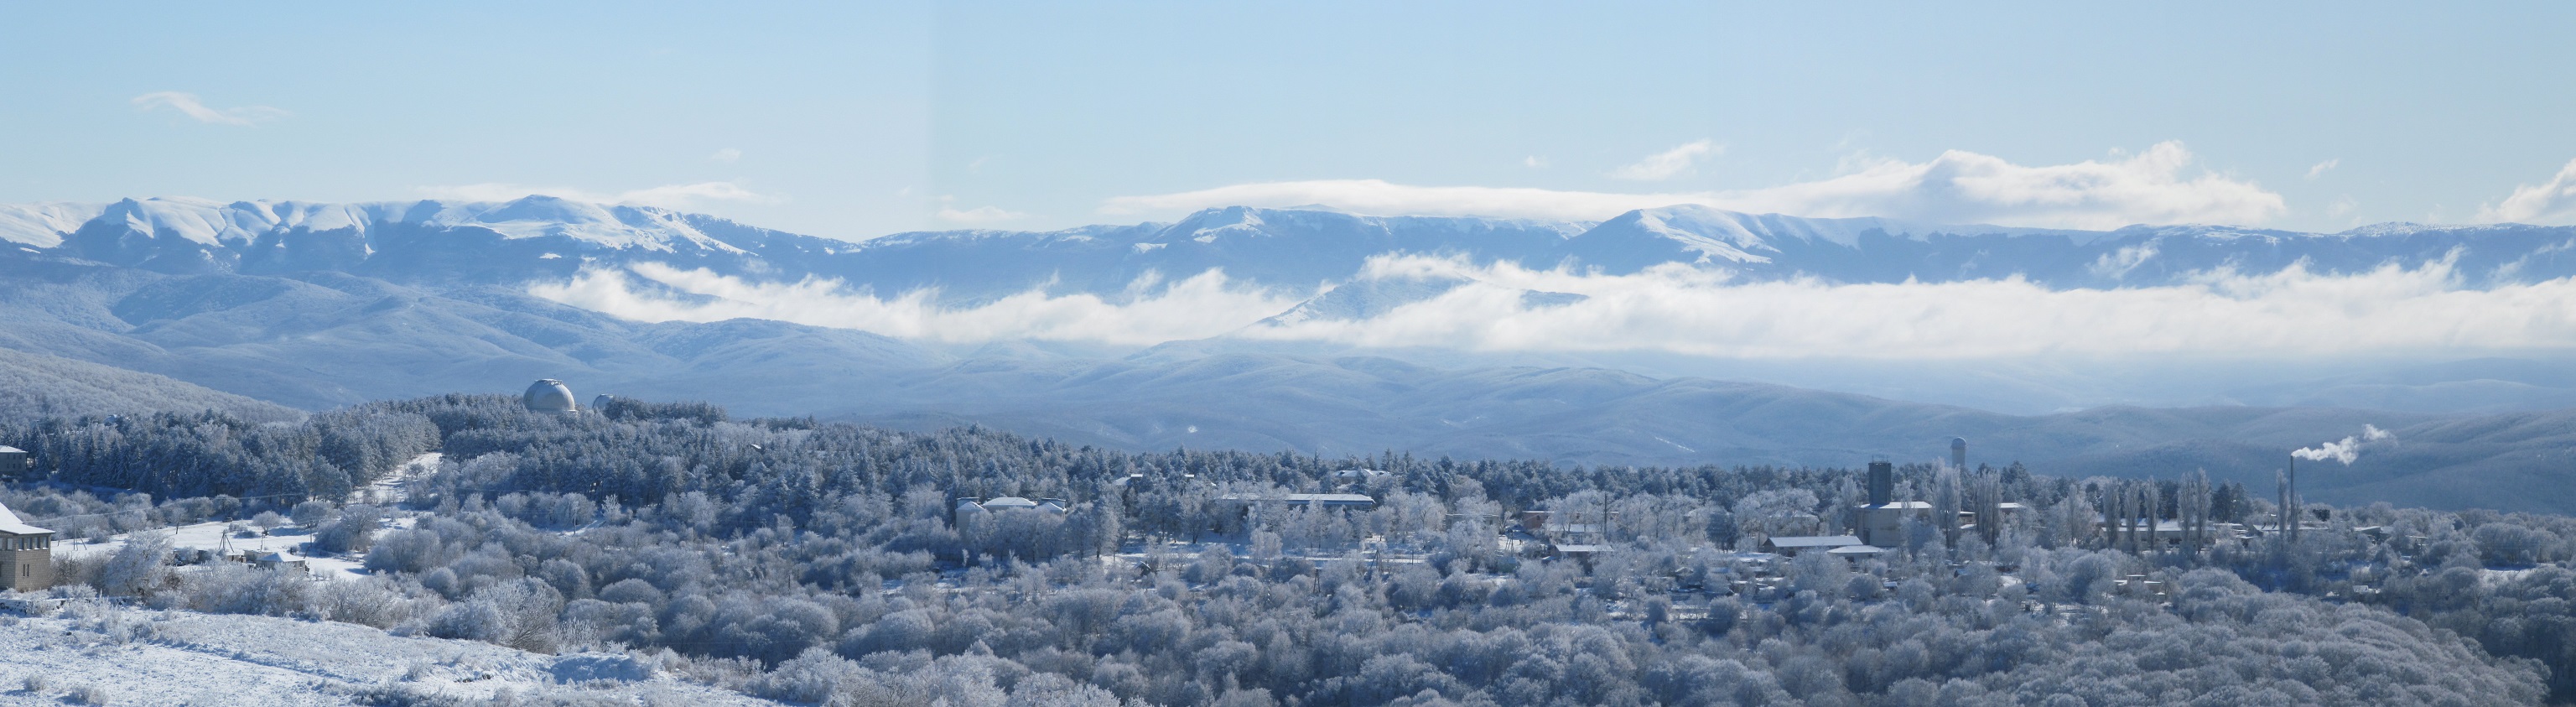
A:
{"x": 1010, "y": 503}
{"x": 280, "y": 561}
{"x": 1319, "y": 500}
{"x": 1791, "y": 545}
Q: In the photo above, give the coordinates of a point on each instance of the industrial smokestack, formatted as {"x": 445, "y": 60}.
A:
{"x": 2296, "y": 508}
{"x": 1882, "y": 483}
{"x": 1959, "y": 453}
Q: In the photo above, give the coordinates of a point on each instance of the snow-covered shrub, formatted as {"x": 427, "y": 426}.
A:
{"x": 812, "y": 677}
{"x": 311, "y": 514}
{"x": 520, "y": 614}
{"x": 352, "y": 531}
{"x": 631, "y": 591}
{"x": 140, "y": 568}
{"x": 472, "y": 621}
{"x": 229, "y": 588}
{"x": 373, "y": 601}
{"x": 415, "y": 550}
{"x": 592, "y": 621}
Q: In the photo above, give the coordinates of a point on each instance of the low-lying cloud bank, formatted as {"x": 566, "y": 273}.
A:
{"x": 1152, "y": 310}
{"x": 1685, "y": 310}
{"x": 1956, "y": 187}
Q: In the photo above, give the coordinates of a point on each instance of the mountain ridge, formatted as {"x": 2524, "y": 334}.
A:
{"x": 425, "y": 297}
{"x": 549, "y": 239}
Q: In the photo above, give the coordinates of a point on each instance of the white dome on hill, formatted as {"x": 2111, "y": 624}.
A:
{"x": 549, "y": 395}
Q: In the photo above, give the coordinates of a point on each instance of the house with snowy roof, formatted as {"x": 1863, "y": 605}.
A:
{"x": 26, "y": 554}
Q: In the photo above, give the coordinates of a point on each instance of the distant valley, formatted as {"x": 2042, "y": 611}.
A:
{"x": 314, "y": 306}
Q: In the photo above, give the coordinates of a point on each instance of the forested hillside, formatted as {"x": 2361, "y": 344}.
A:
{"x": 832, "y": 563}
{"x": 34, "y": 385}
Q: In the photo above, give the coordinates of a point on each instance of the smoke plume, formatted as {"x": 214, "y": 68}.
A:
{"x": 2346, "y": 450}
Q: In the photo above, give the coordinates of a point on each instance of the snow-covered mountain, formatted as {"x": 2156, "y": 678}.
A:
{"x": 318, "y": 305}
{"x": 542, "y": 238}
{"x": 511, "y": 241}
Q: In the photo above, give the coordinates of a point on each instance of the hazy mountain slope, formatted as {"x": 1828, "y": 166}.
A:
{"x": 323, "y": 339}
{"x": 36, "y": 385}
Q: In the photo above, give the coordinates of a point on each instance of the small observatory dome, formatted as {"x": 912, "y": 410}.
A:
{"x": 599, "y": 403}
{"x": 549, "y": 395}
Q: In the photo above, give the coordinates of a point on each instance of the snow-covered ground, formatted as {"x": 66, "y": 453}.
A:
{"x": 397, "y": 485}
{"x": 143, "y": 657}
{"x": 210, "y": 536}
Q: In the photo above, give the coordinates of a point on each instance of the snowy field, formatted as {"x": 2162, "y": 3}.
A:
{"x": 143, "y": 657}
{"x": 210, "y": 536}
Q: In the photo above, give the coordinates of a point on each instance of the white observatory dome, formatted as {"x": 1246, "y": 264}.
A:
{"x": 549, "y": 395}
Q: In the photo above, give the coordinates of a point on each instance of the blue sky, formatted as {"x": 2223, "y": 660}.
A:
{"x": 858, "y": 121}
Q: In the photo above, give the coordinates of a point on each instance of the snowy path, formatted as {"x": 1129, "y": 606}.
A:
{"x": 395, "y": 486}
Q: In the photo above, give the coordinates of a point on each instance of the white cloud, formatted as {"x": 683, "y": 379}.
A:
{"x": 2551, "y": 203}
{"x": 1956, "y": 187}
{"x": 2323, "y": 167}
{"x": 1679, "y": 161}
{"x": 979, "y": 215}
{"x": 1152, "y": 311}
{"x": 671, "y": 196}
{"x": 1534, "y": 162}
{"x": 2293, "y": 312}
{"x": 726, "y": 155}
{"x": 1683, "y": 310}
{"x": 187, "y": 104}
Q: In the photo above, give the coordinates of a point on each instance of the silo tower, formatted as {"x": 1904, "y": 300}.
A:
{"x": 550, "y": 396}
{"x": 1959, "y": 453}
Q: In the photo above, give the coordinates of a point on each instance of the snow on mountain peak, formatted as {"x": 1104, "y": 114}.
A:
{"x": 44, "y": 225}
{"x": 217, "y": 224}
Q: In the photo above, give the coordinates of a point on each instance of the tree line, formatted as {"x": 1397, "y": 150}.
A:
{"x": 829, "y": 563}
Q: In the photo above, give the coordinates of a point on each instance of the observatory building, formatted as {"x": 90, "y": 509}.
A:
{"x": 550, "y": 396}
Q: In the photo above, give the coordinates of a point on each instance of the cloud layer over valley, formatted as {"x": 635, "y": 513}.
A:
{"x": 1958, "y": 186}
{"x": 1151, "y": 312}
{"x": 1678, "y": 309}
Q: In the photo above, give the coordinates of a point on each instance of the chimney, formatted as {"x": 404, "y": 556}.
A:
{"x": 2296, "y": 509}
{"x": 1882, "y": 483}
